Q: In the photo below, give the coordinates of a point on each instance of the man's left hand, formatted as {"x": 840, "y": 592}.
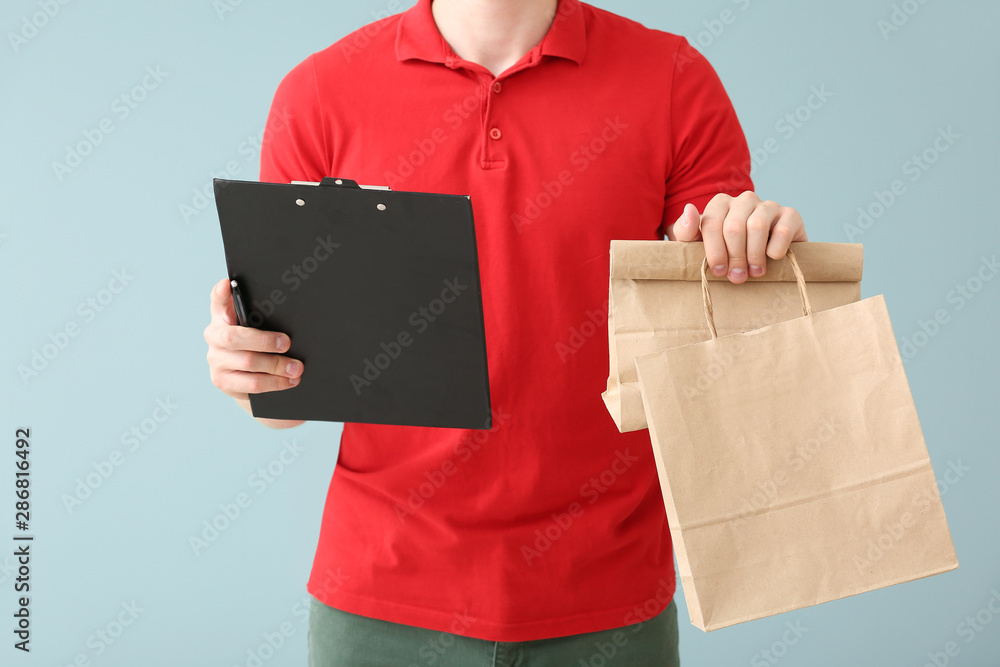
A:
{"x": 740, "y": 233}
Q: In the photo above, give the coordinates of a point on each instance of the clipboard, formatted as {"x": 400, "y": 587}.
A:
{"x": 379, "y": 292}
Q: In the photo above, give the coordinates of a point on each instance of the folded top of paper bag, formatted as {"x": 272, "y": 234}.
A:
{"x": 670, "y": 260}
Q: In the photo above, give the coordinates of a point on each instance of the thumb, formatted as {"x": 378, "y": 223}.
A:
{"x": 222, "y": 302}
{"x": 687, "y": 226}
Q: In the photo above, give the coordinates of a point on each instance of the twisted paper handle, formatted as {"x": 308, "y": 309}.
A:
{"x": 710, "y": 314}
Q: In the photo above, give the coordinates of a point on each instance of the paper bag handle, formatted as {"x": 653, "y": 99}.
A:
{"x": 710, "y": 314}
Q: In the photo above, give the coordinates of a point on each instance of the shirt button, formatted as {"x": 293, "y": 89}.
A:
{"x": 497, "y": 87}
{"x": 495, "y": 133}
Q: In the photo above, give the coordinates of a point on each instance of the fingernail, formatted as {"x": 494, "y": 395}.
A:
{"x": 756, "y": 271}
{"x": 293, "y": 368}
{"x": 719, "y": 270}
{"x": 281, "y": 342}
{"x": 737, "y": 274}
{"x": 219, "y": 289}
{"x": 293, "y": 381}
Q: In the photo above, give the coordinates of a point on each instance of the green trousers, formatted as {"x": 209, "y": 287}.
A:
{"x": 341, "y": 639}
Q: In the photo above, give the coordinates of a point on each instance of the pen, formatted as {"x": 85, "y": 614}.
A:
{"x": 241, "y": 311}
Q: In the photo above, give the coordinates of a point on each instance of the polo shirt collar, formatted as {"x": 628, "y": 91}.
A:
{"x": 419, "y": 38}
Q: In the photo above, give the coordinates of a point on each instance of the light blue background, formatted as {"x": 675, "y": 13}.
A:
{"x": 62, "y": 239}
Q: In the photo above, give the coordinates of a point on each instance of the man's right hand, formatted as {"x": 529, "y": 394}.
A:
{"x": 244, "y": 360}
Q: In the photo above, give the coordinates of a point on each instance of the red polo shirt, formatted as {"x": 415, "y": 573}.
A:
{"x": 552, "y": 522}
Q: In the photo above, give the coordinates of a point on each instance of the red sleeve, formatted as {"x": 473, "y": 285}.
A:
{"x": 709, "y": 152}
{"x": 295, "y": 145}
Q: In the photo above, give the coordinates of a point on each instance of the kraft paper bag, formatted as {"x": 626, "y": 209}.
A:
{"x": 791, "y": 461}
{"x": 655, "y": 304}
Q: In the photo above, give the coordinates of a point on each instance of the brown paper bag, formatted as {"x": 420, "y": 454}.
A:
{"x": 799, "y": 473}
{"x": 655, "y": 304}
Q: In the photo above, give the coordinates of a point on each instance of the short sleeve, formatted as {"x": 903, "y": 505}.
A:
{"x": 709, "y": 152}
{"x": 295, "y": 146}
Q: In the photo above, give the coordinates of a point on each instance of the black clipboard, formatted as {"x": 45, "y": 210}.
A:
{"x": 379, "y": 292}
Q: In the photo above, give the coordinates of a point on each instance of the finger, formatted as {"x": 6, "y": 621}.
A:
{"x": 246, "y": 338}
{"x": 788, "y": 228}
{"x": 240, "y": 382}
{"x": 711, "y": 233}
{"x": 222, "y": 302}
{"x": 734, "y": 231}
{"x": 686, "y": 226}
{"x": 254, "y": 362}
{"x": 758, "y": 230}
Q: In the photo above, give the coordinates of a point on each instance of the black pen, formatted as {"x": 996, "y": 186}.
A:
{"x": 241, "y": 311}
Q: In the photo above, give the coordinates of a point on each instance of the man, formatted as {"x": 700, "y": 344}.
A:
{"x": 542, "y": 541}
